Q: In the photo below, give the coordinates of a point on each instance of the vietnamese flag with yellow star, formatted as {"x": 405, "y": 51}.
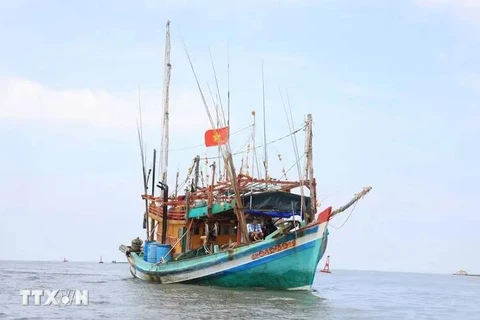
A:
{"x": 216, "y": 137}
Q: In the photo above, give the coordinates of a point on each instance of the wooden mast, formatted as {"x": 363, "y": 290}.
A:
{"x": 166, "y": 91}
{"x": 309, "y": 169}
{"x": 265, "y": 160}
{"x": 228, "y": 162}
{"x": 164, "y": 145}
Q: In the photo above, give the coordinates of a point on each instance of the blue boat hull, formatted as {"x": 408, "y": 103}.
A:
{"x": 287, "y": 262}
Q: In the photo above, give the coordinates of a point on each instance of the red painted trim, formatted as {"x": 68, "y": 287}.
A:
{"x": 324, "y": 216}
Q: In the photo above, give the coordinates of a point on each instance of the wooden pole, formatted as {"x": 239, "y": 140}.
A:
{"x": 309, "y": 169}
{"x": 166, "y": 91}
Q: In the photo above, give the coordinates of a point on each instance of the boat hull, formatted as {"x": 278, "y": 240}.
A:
{"x": 289, "y": 262}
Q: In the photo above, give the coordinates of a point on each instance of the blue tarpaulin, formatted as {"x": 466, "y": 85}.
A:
{"x": 273, "y": 214}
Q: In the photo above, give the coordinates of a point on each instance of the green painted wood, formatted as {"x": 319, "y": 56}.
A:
{"x": 199, "y": 212}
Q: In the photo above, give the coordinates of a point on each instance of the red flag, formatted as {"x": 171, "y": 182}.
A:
{"x": 216, "y": 137}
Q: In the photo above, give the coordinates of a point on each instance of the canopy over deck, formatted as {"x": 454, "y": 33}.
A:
{"x": 278, "y": 204}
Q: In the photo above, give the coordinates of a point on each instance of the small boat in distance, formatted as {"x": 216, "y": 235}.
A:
{"x": 65, "y": 260}
{"x": 465, "y": 273}
{"x": 100, "y": 260}
{"x": 326, "y": 268}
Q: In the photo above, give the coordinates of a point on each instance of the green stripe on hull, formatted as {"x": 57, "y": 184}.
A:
{"x": 293, "y": 270}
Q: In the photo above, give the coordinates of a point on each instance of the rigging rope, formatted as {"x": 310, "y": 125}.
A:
{"x": 201, "y": 145}
{"x": 285, "y": 173}
{"x": 349, "y": 215}
{"x": 256, "y": 147}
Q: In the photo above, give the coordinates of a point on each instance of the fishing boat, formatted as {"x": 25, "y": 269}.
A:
{"x": 238, "y": 231}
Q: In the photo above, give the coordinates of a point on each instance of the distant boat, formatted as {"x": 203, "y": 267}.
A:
{"x": 65, "y": 260}
{"x": 461, "y": 273}
{"x": 465, "y": 273}
{"x": 326, "y": 268}
{"x": 100, "y": 260}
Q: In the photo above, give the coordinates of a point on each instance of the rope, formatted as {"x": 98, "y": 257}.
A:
{"x": 257, "y": 147}
{"x": 350, "y": 214}
{"x": 162, "y": 260}
{"x": 293, "y": 165}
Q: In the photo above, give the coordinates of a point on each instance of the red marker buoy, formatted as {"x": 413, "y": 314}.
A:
{"x": 326, "y": 268}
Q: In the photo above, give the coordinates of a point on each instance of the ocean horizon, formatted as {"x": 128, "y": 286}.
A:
{"x": 342, "y": 294}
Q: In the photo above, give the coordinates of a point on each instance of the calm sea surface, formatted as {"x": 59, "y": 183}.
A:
{"x": 113, "y": 293}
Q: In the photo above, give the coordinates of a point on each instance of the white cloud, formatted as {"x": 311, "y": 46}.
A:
{"x": 26, "y": 100}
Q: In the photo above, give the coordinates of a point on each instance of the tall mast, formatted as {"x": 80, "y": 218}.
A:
{"x": 228, "y": 87}
{"x": 309, "y": 168}
{"x": 228, "y": 100}
{"x": 253, "y": 146}
{"x": 228, "y": 163}
{"x": 166, "y": 91}
{"x": 219, "y": 149}
{"x": 265, "y": 163}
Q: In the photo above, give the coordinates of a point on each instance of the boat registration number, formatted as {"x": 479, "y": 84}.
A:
{"x": 274, "y": 249}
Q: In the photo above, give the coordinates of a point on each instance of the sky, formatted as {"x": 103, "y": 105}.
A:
{"x": 393, "y": 87}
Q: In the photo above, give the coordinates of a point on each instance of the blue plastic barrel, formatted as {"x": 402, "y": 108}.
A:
{"x": 152, "y": 252}
{"x": 145, "y": 250}
{"x": 162, "y": 250}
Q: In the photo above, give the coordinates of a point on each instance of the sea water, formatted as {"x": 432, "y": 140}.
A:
{"x": 113, "y": 293}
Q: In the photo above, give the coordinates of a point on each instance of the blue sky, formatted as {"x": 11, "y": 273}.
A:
{"x": 393, "y": 88}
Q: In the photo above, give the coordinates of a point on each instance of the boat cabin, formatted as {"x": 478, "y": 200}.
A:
{"x": 210, "y": 228}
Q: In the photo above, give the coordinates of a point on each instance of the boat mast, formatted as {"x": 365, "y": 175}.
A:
{"x": 228, "y": 87}
{"x": 219, "y": 149}
{"x": 253, "y": 146}
{"x": 228, "y": 163}
{"x": 152, "y": 224}
{"x": 228, "y": 98}
{"x": 309, "y": 169}
{"x": 265, "y": 161}
{"x": 166, "y": 91}
{"x": 144, "y": 174}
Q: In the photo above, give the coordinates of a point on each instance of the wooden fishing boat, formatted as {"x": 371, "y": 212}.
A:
{"x": 284, "y": 259}
{"x": 239, "y": 231}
